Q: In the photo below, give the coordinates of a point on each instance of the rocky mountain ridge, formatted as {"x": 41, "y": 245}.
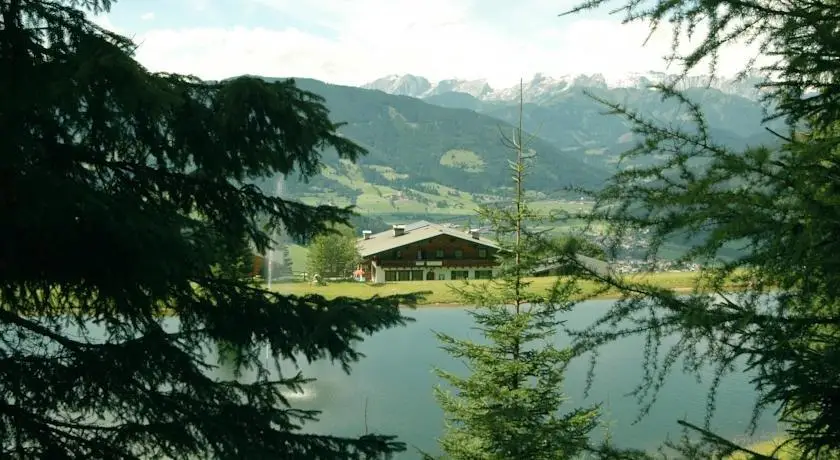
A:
{"x": 542, "y": 87}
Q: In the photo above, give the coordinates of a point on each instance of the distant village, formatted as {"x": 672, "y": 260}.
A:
{"x": 646, "y": 266}
{"x": 638, "y": 242}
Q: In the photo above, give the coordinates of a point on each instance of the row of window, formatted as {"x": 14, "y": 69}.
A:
{"x": 418, "y": 275}
{"x": 403, "y": 275}
{"x": 465, "y": 274}
{"x": 483, "y": 274}
{"x": 441, "y": 254}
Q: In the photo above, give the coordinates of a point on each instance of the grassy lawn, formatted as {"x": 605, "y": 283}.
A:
{"x": 767, "y": 448}
{"x": 439, "y": 292}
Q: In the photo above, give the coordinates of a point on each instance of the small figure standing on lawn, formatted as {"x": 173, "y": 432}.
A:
{"x": 359, "y": 275}
{"x": 316, "y": 280}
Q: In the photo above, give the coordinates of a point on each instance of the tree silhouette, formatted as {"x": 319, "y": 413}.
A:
{"x": 128, "y": 228}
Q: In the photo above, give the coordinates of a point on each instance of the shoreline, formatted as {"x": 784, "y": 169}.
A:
{"x": 605, "y": 296}
{"x": 440, "y": 294}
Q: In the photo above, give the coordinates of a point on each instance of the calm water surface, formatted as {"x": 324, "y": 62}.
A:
{"x": 397, "y": 381}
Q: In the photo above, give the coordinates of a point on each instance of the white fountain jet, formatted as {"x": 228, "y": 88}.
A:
{"x": 279, "y": 191}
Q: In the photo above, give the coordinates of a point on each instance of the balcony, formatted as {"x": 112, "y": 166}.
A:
{"x": 432, "y": 263}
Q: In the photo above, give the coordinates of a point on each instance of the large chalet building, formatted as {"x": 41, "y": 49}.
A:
{"x": 426, "y": 251}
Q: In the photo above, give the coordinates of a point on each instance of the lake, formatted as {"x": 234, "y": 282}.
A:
{"x": 396, "y": 380}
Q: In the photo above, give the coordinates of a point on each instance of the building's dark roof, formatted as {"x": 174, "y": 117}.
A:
{"x": 414, "y": 232}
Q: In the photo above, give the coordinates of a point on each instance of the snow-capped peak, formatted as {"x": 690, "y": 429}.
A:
{"x": 542, "y": 86}
{"x": 479, "y": 89}
{"x": 403, "y": 85}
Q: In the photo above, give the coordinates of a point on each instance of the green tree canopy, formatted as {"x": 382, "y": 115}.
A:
{"x": 574, "y": 244}
{"x": 125, "y": 215}
{"x": 778, "y": 204}
{"x": 333, "y": 254}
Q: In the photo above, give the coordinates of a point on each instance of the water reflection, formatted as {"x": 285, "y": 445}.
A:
{"x": 396, "y": 379}
{"x": 390, "y": 390}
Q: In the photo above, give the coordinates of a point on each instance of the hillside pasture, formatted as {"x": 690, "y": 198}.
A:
{"x": 463, "y": 159}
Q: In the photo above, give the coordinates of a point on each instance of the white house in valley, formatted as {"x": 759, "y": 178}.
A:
{"x": 426, "y": 251}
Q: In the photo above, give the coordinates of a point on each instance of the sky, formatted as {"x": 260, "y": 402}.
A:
{"x": 356, "y": 41}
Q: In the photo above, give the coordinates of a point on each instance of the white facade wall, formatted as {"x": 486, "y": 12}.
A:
{"x": 378, "y": 273}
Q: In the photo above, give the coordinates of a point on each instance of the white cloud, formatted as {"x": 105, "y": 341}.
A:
{"x": 366, "y": 39}
{"x": 199, "y": 5}
{"x": 105, "y": 22}
{"x": 147, "y": 16}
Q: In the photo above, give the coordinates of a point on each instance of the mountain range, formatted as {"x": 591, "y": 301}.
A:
{"x": 414, "y": 144}
{"x": 440, "y": 142}
{"x": 542, "y": 88}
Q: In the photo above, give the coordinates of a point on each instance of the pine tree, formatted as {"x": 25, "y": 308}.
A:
{"x": 128, "y": 228}
{"x": 508, "y": 407}
{"x": 286, "y": 261}
{"x": 776, "y": 203}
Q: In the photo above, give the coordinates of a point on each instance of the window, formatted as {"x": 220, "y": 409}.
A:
{"x": 483, "y": 274}
{"x": 482, "y": 253}
{"x": 398, "y": 254}
{"x": 459, "y": 254}
{"x": 441, "y": 276}
{"x": 403, "y": 275}
{"x": 439, "y": 254}
{"x": 460, "y": 274}
{"x": 419, "y": 254}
